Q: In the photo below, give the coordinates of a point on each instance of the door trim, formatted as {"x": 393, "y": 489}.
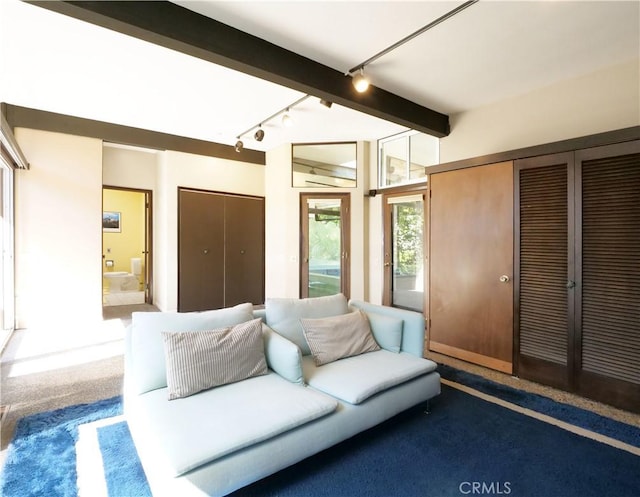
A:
{"x": 148, "y": 238}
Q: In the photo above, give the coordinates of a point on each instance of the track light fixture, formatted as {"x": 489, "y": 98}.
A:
{"x": 259, "y": 135}
{"x": 287, "y": 120}
{"x": 239, "y": 146}
{"x": 360, "y": 81}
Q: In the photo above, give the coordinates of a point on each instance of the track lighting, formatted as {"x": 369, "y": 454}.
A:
{"x": 239, "y": 146}
{"x": 259, "y": 134}
{"x": 287, "y": 121}
{"x": 360, "y": 81}
{"x": 326, "y": 103}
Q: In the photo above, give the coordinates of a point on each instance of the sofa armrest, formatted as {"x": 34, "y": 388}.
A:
{"x": 413, "y": 325}
{"x": 283, "y": 356}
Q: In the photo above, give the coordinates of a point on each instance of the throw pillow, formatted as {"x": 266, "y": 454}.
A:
{"x": 199, "y": 360}
{"x": 338, "y": 337}
{"x": 387, "y": 331}
{"x": 284, "y": 314}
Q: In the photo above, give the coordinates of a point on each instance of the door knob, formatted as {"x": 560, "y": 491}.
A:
{"x": 571, "y": 284}
{"x": 205, "y": 251}
{"x": 387, "y": 264}
{"x": 504, "y": 279}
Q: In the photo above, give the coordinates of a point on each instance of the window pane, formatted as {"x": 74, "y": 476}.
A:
{"x": 325, "y": 247}
{"x": 408, "y": 255}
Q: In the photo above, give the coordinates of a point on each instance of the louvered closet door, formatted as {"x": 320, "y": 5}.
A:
{"x": 543, "y": 268}
{"x": 608, "y": 348}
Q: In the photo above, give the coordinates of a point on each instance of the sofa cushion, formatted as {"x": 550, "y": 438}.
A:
{"x": 337, "y": 337}
{"x": 147, "y": 350}
{"x": 196, "y": 430}
{"x": 357, "y": 378}
{"x": 283, "y": 315}
{"x": 387, "y": 330}
{"x": 198, "y": 360}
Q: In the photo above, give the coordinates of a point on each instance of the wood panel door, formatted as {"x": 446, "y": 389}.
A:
{"x": 244, "y": 250}
{"x": 220, "y": 250}
{"x": 471, "y": 265}
{"x": 200, "y": 250}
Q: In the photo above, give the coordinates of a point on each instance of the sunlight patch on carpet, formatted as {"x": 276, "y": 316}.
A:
{"x": 92, "y": 481}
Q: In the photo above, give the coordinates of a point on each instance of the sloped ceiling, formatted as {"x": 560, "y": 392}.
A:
{"x": 488, "y": 52}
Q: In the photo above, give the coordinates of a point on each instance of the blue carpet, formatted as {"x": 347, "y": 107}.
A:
{"x": 466, "y": 446}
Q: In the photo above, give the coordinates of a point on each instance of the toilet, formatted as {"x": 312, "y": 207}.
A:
{"x": 121, "y": 281}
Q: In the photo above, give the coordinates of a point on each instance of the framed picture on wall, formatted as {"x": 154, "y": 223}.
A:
{"x": 111, "y": 222}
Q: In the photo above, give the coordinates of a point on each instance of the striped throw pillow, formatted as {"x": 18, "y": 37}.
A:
{"x": 338, "y": 337}
{"x": 199, "y": 360}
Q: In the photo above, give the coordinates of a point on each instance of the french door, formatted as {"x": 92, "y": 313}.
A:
{"x": 404, "y": 250}
{"x": 325, "y": 244}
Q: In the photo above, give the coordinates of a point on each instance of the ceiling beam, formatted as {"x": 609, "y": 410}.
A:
{"x": 172, "y": 26}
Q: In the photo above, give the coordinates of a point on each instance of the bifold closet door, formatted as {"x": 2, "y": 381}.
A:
{"x": 244, "y": 250}
{"x": 471, "y": 267}
{"x": 608, "y": 304}
{"x": 200, "y": 250}
{"x": 544, "y": 268}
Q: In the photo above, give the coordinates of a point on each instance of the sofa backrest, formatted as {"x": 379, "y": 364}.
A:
{"x": 413, "y": 324}
{"x": 284, "y": 314}
{"x": 145, "y": 361}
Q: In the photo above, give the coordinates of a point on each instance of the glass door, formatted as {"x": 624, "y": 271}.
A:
{"x": 404, "y": 254}
{"x": 7, "y": 302}
{"x": 324, "y": 267}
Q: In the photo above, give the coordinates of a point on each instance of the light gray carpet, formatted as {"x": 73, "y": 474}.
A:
{"x": 23, "y": 393}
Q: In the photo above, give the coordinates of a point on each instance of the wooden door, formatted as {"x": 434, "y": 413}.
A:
{"x": 607, "y": 314}
{"x": 200, "y": 250}
{"x": 545, "y": 268}
{"x": 244, "y": 250}
{"x": 471, "y": 252}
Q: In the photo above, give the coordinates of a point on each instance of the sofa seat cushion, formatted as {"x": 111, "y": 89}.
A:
{"x": 357, "y": 378}
{"x": 195, "y": 430}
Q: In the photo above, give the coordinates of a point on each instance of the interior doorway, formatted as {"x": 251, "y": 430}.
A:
{"x": 126, "y": 246}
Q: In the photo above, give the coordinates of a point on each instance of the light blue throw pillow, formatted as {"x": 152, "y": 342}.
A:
{"x": 386, "y": 330}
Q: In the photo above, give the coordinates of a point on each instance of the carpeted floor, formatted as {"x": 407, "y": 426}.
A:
{"x": 37, "y": 378}
{"x": 469, "y": 440}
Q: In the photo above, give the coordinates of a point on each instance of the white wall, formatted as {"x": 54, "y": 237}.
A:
{"x": 58, "y": 231}
{"x": 283, "y": 225}
{"x": 602, "y": 101}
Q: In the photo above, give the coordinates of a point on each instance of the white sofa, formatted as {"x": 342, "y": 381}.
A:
{"x": 221, "y": 439}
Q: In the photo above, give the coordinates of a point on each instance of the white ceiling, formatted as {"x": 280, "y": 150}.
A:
{"x": 491, "y": 51}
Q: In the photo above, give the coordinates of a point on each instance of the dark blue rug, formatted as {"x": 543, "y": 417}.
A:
{"x": 465, "y": 446}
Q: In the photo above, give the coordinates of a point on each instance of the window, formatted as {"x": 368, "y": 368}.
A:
{"x": 403, "y": 158}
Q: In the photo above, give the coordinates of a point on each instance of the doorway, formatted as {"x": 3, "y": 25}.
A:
{"x": 325, "y": 244}
{"x": 126, "y": 246}
{"x": 404, "y": 250}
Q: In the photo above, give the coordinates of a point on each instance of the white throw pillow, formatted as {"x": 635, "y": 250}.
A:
{"x": 199, "y": 360}
{"x": 338, "y": 337}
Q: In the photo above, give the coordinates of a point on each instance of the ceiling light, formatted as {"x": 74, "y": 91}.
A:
{"x": 287, "y": 121}
{"x": 360, "y": 81}
{"x": 326, "y": 103}
{"x": 239, "y": 146}
{"x": 259, "y": 135}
